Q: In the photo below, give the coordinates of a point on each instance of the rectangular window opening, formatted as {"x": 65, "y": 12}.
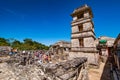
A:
{"x": 80, "y": 27}
{"x": 80, "y": 16}
{"x": 81, "y": 42}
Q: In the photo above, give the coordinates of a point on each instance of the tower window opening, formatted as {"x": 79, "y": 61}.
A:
{"x": 81, "y": 43}
{"x": 80, "y": 16}
{"x": 80, "y": 27}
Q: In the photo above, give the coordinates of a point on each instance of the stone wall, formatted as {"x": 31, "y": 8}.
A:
{"x": 85, "y": 34}
{"x": 88, "y": 26}
{"x": 75, "y": 43}
{"x": 75, "y": 29}
{"x": 66, "y": 70}
{"x": 86, "y": 14}
{"x": 89, "y": 42}
{"x": 92, "y": 57}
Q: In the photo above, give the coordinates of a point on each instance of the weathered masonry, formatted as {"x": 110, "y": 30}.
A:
{"x": 83, "y": 36}
{"x": 117, "y": 51}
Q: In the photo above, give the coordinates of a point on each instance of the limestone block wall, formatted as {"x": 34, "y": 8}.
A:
{"x": 89, "y": 42}
{"x": 80, "y": 21}
{"x": 75, "y": 29}
{"x": 86, "y": 14}
{"x": 104, "y": 52}
{"x": 75, "y": 43}
{"x": 92, "y": 58}
{"x": 88, "y": 26}
{"x": 110, "y": 43}
{"x": 83, "y": 34}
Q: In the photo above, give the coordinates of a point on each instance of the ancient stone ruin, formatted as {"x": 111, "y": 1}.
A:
{"x": 14, "y": 69}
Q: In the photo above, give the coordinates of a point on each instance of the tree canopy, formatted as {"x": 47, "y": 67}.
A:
{"x": 27, "y": 44}
{"x": 4, "y": 42}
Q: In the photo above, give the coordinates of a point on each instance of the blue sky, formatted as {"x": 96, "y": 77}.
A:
{"x": 48, "y": 21}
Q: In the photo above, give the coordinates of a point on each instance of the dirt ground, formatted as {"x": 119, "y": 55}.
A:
{"x": 103, "y": 73}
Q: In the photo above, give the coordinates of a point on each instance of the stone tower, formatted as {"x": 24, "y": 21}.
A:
{"x": 83, "y": 35}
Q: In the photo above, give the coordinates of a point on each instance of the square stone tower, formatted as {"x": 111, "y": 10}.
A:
{"x": 83, "y": 36}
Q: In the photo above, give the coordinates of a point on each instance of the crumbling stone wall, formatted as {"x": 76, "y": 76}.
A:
{"x": 93, "y": 58}
{"x": 66, "y": 70}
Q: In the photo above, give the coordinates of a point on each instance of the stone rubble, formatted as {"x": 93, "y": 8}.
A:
{"x": 65, "y": 70}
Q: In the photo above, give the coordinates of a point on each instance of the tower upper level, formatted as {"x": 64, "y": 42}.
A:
{"x": 82, "y": 12}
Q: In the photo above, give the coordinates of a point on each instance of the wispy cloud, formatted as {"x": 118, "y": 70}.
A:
{"x": 12, "y": 12}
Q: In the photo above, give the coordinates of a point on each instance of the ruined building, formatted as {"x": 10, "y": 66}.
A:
{"x": 105, "y": 45}
{"x": 60, "y": 50}
{"x": 60, "y": 47}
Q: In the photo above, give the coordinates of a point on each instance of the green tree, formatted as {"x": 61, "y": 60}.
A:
{"x": 27, "y": 44}
{"x": 16, "y": 44}
{"x": 4, "y": 42}
{"x": 28, "y": 41}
